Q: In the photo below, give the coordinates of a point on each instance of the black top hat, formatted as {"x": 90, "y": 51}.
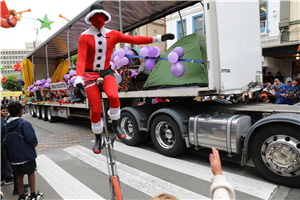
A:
{"x": 97, "y": 8}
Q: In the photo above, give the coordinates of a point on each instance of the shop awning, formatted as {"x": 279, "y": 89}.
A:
{"x": 285, "y": 50}
{"x": 134, "y": 15}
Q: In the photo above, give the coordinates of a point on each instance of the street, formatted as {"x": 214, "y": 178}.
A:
{"x": 68, "y": 169}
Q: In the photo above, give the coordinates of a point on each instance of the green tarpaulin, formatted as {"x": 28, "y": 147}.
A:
{"x": 194, "y": 46}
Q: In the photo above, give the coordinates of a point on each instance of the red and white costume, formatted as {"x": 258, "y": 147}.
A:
{"x": 94, "y": 54}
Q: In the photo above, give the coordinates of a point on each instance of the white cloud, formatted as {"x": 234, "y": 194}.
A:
{"x": 15, "y": 38}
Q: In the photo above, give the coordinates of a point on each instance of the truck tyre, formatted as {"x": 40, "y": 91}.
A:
{"x": 44, "y": 113}
{"x": 166, "y": 136}
{"x": 38, "y": 112}
{"x": 32, "y": 113}
{"x": 275, "y": 151}
{"x": 130, "y": 127}
{"x": 51, "y": 118}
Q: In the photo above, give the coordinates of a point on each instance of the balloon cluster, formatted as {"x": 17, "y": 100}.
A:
{"x": 44, "y": 84}
{"x": 177, "y": 68}
{"x": 18, "y": 67}
{"x": 119, "y": 57}
{"x": 151, "y": 52}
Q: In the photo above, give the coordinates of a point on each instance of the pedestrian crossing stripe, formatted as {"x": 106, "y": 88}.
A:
{"x": 132, "y": 177}
{"x": 62, "y": 182}
{"x": 243, "y": 184}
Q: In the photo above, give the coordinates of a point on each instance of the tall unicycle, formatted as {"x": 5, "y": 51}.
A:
{"x": 108, "y": 144}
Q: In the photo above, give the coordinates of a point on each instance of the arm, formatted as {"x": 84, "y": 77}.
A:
{"x": 82, "y": 53}
{"x": 220, "y": 188}
{"x": 29, "y": 134}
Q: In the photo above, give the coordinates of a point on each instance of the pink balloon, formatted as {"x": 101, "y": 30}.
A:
{"x": 112, "y": 65}
{"x": 144, "y": 52}
{"x": 173, "y": 57}
{"x": 150, "y": 64}
{"x": 120, "y": 53}
{"x": 133, "y": 73}
{"x": 117, "y": 61}
{"x": 177, "y": 69}
{"x": 179, "y": 51}
{"x": 124, "y": 61}
{"x": 152, "y": 52}
{"x": 158, "y": 51}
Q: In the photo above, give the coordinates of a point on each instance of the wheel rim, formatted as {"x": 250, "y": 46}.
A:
{"x": 49, "y": 114}
{"x": 165, "y": 135}
{"x": 281, "y": 154}
{"x": 37, "y": 111}
{"x": 43, "y": 113}
{"x": 127, "y": 127}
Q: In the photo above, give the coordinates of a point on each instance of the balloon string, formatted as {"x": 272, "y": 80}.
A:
{"x": 159, "y": 58}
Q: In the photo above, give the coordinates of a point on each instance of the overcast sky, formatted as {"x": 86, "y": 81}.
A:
{"x": 15, "y": 38}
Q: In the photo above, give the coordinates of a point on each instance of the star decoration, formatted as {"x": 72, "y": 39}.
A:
{"x": 45, "y": 22}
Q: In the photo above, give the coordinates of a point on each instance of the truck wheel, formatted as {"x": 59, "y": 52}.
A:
{"x": 44, "y": 113}
{"x": 51, "y": 119}
{"x": 166, "y": 136}
{"x": 275, "y": 151}
{"x": 130, "y": 127}
{"x": 38, "y": 112}
{"x": 32, "y": 113}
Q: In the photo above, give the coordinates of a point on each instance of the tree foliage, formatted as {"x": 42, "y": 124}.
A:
{"x": 12, "y": 83}
{"x": 74, "y": 59}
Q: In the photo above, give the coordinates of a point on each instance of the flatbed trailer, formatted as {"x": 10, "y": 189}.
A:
{"x": 266, "y": 133}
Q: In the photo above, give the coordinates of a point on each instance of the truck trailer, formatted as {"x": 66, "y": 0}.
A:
{"x": 266, "y": 133}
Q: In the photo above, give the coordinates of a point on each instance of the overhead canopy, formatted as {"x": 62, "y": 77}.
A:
{"x": 285, "y": 50}
{"x": 134, "y": 15}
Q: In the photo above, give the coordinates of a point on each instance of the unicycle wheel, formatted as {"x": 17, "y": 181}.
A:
{"x": 115, "y": 188}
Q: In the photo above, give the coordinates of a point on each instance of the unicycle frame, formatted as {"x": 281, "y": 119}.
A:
{"x": 115, "y": 187}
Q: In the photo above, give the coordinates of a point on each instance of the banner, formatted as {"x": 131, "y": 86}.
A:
{"x": 8, "y": 94}
{"x": 58, "y": 86}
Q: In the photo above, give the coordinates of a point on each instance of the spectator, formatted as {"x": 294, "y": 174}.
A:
{"x": 275, "y": 89}
{"x": 296, "y": 91}
{"x": 6, "y": 172}
{"x": 283, "y": 92}
{"x": 142, "y": 74}
{"x": 270, "y": 78}
{"x": 11, "y": 99}
{"x": 4, "y": 101}
{"x": 127, "y": 83}
{"x": 22, "y": 158}
{"x": 279, "y": 77}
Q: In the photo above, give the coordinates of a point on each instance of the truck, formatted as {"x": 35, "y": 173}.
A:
{"x": 266, "y": 133}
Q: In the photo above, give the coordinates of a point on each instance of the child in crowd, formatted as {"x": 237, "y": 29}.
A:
{"x": 20, "y": 133}
{"x": 6, "y": 173}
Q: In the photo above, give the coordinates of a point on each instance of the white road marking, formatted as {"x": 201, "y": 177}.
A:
{"x": 62, "y": 182}
{"x": 243, "y": 184}
{"x": 134, "y": 178}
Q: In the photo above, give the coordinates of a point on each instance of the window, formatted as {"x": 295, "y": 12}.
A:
{"x": 9, "y": 57}
{"x": 12, "y": 52}
{"x": 263, "y": 12}
{"x": 198, "y": 24}
{"x": 180, "y": 33}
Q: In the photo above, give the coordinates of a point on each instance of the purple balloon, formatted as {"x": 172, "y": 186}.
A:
{"x": 38, "y": 82}
{"x": 130, "y": 62}
{"x": 173, "y": 57}
{"x": 133, "y": 73}
{"x": 112, "y": 65}
{"x": 177, "y": 69}
{"x": 120, "y": 53}
{"x": 146, "y": 47}
{"x": 124, "y": 61}
{"x": 73, "y": 79}
{"x": 144, "y": 52}
{"x": 34, "y": 83}
{"x": 112, "y": 57}
{"x": 72, "y": 73}
{"x": 43, "y": 81}
{"x": 66, "y": 77}
{"x": 127, "y": 48}
{"x": 158, "y": 51}
{"x": 152, "y": 52}
{"x": 150, "y": 64}
{"x": 49, "y": 80}
{"x": 47, "y": 85}
{"x": 117, "y": 61}
{"x": 179, "y": 51}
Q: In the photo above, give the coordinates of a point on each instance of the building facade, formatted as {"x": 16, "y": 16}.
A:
{"x": 279, "y": 27}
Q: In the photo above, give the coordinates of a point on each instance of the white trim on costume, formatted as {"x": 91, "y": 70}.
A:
{"x": 88, "y": 16}
{"x": 114, "y": 116}
{"x": 78, "y": 80}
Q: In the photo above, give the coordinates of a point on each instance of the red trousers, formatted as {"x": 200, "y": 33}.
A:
{"x": 110, "y": 88}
